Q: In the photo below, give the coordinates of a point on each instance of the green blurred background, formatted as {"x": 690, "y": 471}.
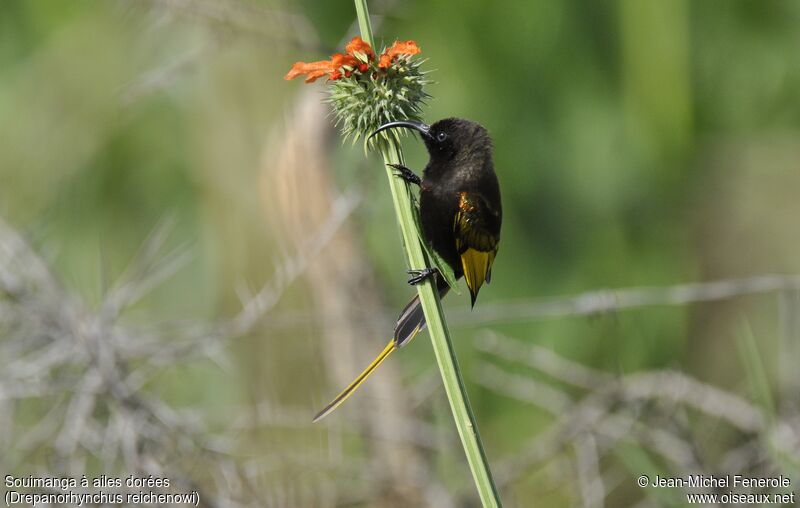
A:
{"x": 636, "y": 143}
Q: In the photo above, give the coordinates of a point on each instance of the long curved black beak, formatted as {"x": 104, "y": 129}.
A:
{"x": 423, "y": 129}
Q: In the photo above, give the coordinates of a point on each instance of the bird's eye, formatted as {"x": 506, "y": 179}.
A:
{"x": 441, "y": 136}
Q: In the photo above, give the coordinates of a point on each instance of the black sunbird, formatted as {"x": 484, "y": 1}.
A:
{"x": 460, "y": 214}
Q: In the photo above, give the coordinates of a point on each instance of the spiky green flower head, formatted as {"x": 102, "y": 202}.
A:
{"x": 365, "y": 101}
{"x": 365, "y": 92}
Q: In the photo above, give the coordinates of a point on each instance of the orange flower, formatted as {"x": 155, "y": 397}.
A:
{"x": 358, "y": 44}
{"x": 344, "y": 64}
{"x": 398, "y": 48}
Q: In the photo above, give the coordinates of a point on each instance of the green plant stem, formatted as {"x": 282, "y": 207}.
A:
{"x": 434, "y": 316}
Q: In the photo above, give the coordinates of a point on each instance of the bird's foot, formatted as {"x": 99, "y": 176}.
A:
{"x": 406, "y": 174}
{"x": 419, "y": 276}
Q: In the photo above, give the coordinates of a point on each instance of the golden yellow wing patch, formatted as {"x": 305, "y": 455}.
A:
{"x": 475, "y": 240}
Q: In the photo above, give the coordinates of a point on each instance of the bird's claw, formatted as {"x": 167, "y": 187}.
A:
{"x": 420, "y": 276}
{"x": 406, "y": 174}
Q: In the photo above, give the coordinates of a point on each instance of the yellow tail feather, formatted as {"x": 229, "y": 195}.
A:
{"x": 356, "y": 383}
{"x": 476, "y": 265}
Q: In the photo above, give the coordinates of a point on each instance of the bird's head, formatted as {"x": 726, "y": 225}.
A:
{"x": 448, "y": 139}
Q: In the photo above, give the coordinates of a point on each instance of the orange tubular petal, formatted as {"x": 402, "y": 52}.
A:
{"x": 313, "y": 75}
{"x": 385, "y": 61}
{"x": 358, "y": 44}
{"x": 398, "y": 48}
{"x": 296, "y": 70}
{"x": 340, "y": 60}
{"x": 405, "y": 48}
{"x": 312, "y": 70}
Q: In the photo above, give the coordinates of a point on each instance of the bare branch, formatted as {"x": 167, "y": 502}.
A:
{"x": 590, "y": 481}
{"x": 542, "y": 359}
{"x": 613, "y": 300}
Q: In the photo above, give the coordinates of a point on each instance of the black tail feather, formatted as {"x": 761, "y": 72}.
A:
{"x": 412, "y": 319}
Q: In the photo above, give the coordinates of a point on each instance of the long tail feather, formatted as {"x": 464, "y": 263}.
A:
{"x": 412, "y": 319}
{"x": 410, "y": 322}
{"x": 356, "y": 383}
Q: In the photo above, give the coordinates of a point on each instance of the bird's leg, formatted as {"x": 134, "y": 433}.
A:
{"x": 406, "y": 174}
{"x": 419, "y": 276}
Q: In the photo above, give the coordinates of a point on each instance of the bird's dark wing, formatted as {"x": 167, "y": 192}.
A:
{"x": 476, "y": 228}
